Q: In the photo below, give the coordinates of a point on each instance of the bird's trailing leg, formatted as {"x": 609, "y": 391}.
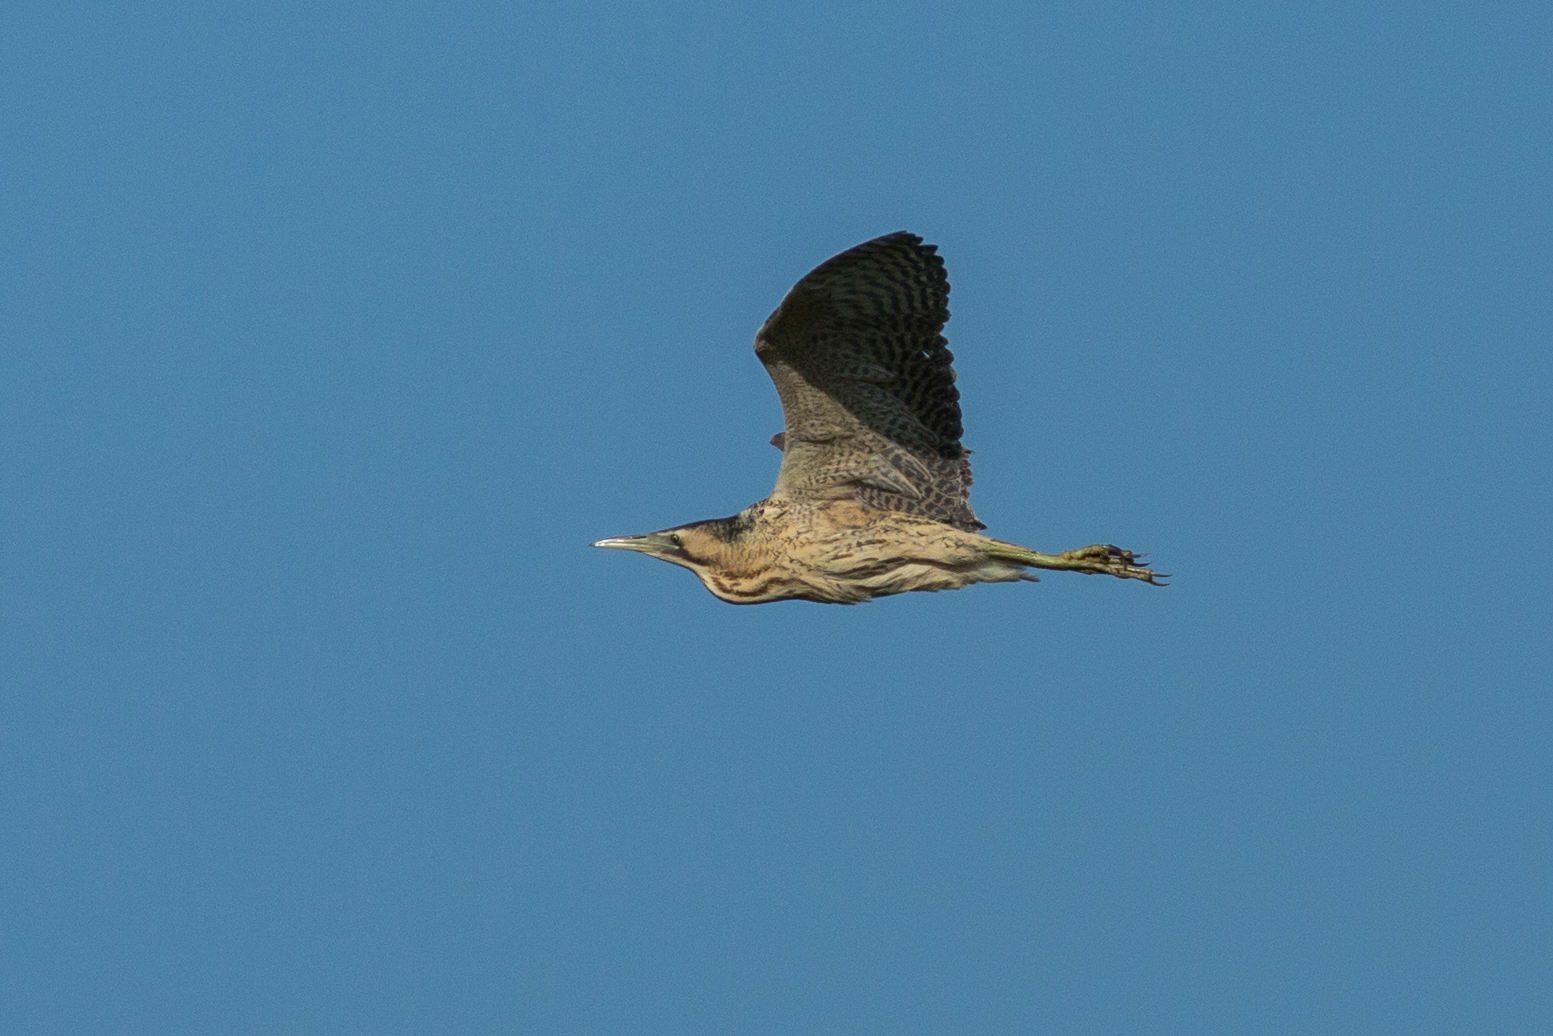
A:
{"x": 1098, "y": 559}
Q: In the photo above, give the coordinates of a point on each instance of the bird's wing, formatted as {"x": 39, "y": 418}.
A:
{"x": 867, "y": 385}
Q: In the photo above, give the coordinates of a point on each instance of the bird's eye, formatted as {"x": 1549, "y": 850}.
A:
{"x": 674, "y": 539}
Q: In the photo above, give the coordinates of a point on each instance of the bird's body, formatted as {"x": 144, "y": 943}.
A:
{"x": 837, "y": 552}
{"x": 873, "y": 495}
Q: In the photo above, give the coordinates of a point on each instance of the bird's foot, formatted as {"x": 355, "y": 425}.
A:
{"x": 1099, "y": 559}
{"x": 1105, "y": 559}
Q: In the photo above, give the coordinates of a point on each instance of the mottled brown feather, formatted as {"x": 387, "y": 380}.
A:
{"x": 866, "y": 378}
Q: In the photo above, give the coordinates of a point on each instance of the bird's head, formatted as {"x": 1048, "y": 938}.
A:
{"x": 719, "y": 551}
{"x": 690, "y": 546}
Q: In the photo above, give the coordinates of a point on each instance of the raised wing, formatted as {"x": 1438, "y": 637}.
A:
{"x": 867, "y": 383}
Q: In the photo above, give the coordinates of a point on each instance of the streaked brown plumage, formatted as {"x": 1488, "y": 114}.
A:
{"x": 873, "y": 497}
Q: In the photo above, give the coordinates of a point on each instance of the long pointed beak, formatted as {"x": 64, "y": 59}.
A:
{"x": 647, "y": 544}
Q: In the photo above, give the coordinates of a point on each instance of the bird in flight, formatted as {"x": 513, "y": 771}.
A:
{"x": 873, "y": 496}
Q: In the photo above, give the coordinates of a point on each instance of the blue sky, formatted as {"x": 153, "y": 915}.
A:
{"x": 330, "y": 335}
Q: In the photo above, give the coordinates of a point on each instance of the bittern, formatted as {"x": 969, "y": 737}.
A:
{"x": 873, "y": 496}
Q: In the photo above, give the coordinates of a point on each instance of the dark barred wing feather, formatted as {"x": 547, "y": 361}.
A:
{"x": 867, "y": 383}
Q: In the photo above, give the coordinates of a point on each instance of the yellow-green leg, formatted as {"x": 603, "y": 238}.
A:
{"x": 1099, "y": 559}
